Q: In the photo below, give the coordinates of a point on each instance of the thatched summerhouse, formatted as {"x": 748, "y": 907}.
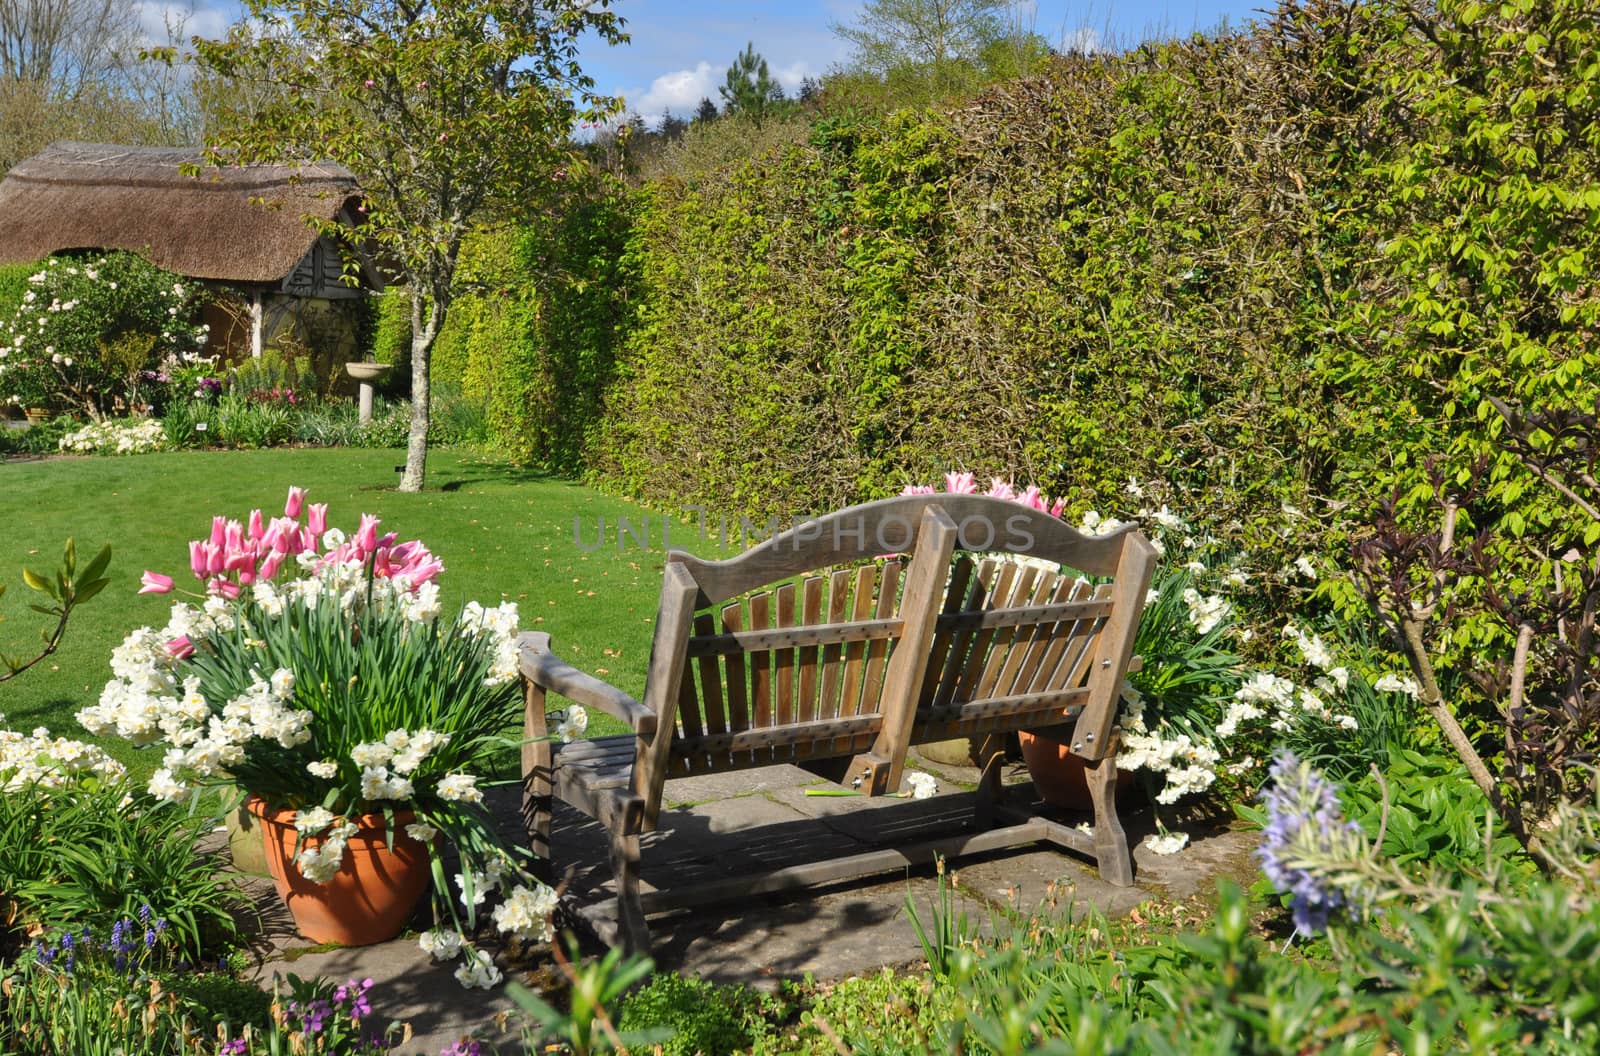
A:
{"x": 242, "y": 228}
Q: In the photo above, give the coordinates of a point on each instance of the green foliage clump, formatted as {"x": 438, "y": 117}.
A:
{"x": 702, "y": 1016}
{"x": 13, "y": 284}
{"x": 533, "y": 344}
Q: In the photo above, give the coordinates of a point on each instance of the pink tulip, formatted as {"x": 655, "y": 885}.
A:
{"x": 247, "y": 576}
{"x": 960, "y": 484}
{"x": 255, "y": 528}
{"x": 227, "y": 588}
{"x": 155, "y": 583}
{"x": 239, "y": 560}
{"x": 180, "y": 648}
{"x": 1031, "y": 496}
{"x": 425, "y": 571}
{"x": 233, "y": 536}
{"x": 387, "y": 541}
{"x": 1001, "y": 488}
{"x": 1058, "y": 507}
{"x": 308, "y": 541}
{"x": 270, "y": 566}
{"x": 918, "y": 489}
{"x": 197, "y": 558}
{"x": 317, "y": 519}
{"x": 215, "y": 559}
{"x": 291, "y": 506}
{"x": 366, "y": 539}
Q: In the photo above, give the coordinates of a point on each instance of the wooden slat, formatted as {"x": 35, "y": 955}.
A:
{"x": 1000, "y": 646}
{"x": 1059, "y": 640}
{"x": 878, "y": 648}
{"x": 1035, "y": 830}
{"x": 712, "y": 716}
{"x": 832, "y": 665}
{"x": 955, "y": 594}
{"x": 818, "y": 731}
{"x": 872, "y": 528}
{"x": 1022, "y": 636}
{"x": 811, "y": 614}
{"x": 975, "y": 600}
{"x": 1014, "y": 616}
{"x": 1040, "y": 638}
{"x": 760, "y": 663}
{"x": 855, "y": 653}
{"x": 792, "y": 637}
{"x": 738, "y": 712}
{"x": 977, "y": 658}
{"x": 689, "y": 705}
{"x": 783, "y": 661}
{"x": 1082, "y": 644}
{"x": 1110, "y": 664}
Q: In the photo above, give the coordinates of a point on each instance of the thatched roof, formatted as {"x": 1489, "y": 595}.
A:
{"x": 98, "y": 196}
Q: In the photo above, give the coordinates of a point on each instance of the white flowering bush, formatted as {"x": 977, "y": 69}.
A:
{"x": 318, "y": 672}
{"x": 131, "y": 437}
{"x": 98, "y": 334}
{"x": 41, "y": 760}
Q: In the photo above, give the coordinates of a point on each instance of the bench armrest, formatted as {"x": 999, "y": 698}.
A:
{"x": 543, "y": 668}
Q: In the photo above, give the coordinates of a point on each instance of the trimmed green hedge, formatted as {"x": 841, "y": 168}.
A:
{"x": 1269, "y": 270}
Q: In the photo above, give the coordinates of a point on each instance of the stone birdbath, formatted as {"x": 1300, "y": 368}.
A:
{"x": 365, "y": 375}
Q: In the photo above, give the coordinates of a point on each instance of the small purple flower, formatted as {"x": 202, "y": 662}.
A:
{"x": 236, "y": 1047}
{"x": 144, "y": 914}
{"x": 149, "y": 937}
{"x": 1303, "y": 819}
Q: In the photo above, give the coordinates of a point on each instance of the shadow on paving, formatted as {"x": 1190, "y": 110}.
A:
{"x": 751, "y": 822}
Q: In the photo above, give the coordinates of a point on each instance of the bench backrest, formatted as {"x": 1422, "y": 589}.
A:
{"x": 780, "y": 655}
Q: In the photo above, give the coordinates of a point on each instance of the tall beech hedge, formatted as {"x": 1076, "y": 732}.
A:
{"x": 1273, "y": 270}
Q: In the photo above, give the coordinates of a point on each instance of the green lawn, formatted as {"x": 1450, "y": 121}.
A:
{"x": 502, "y": 532}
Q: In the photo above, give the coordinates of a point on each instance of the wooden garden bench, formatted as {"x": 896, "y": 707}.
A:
{"x": 780, "y": 655}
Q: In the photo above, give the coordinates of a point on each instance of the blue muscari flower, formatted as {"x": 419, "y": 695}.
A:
{"x": 1302, "y": 815}
{"x": 66, "y": 940}
{"x": 144, "y": 914}
{"x": 149, "y": 937}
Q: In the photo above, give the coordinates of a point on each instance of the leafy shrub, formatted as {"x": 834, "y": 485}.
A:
{"x": 703, "y": 1017}
{"x": 241, "y": 420}
{"x": 327, "y": 423}
{"x": 13, "y": 284}
{"x": 93, "y": 334}
{"x": 95, "y": 853}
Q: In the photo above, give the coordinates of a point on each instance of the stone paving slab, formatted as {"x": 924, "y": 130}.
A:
{"x": 752, "y": 822}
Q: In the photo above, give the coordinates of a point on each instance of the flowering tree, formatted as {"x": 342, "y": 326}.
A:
{"x": 439, "y": 107}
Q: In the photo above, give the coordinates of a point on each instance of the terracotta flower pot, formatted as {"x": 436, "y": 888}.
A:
{"x": 1058, "y": 775}
{"x": 371, "y": 896}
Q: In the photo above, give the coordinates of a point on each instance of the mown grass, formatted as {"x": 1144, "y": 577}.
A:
{"x": 502, "y": 532}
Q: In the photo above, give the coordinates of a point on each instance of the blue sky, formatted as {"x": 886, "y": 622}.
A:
{"x": 680, "y": 49}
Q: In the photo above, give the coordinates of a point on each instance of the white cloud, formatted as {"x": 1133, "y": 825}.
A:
{"x": 679, "y": 91}
{"x": 175, "y": 22}
{"x": 1082, "y": 41}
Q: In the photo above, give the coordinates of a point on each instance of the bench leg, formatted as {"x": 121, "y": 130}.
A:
{"x": 989, "y": 752}
{"x": 537, "y": 783}
{"x": 1110, "y": 842}
{"x": 631, "y": 927}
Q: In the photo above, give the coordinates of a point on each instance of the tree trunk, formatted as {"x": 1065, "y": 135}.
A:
{"x": 422, "y": 338}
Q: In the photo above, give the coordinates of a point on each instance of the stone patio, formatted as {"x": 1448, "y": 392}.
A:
{"x": 755, "y": 820}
